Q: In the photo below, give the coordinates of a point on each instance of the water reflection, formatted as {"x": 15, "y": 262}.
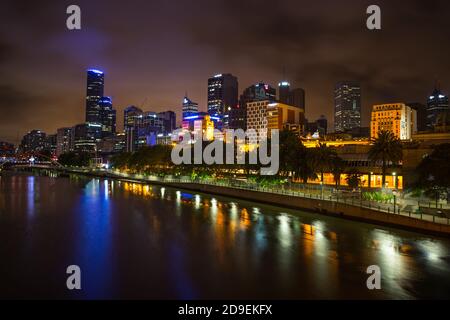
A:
{"x": 144, "y": 241}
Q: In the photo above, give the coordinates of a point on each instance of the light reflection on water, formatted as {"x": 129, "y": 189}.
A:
{"x": 144, "y": 241}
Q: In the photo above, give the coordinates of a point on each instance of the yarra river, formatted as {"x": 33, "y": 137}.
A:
{"x": 135, "y": 241}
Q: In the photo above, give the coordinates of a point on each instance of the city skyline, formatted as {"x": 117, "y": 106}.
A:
{"x": 50, "y": 77}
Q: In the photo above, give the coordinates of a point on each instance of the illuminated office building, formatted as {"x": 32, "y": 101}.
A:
{"x": 347, "y": 106}
{"x": 94, "y": 91}
{"x": 397, "y": 118}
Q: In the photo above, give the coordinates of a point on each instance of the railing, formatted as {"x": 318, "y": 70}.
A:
{"x": 315, "y": 193}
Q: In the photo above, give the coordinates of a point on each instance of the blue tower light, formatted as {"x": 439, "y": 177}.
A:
{"x": 95, "y": 71}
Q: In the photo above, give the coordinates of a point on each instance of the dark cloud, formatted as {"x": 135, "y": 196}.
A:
{"x": 155, "y": 51}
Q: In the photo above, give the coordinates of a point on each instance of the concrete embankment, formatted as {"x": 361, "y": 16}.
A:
{"x": 336, "y": 209}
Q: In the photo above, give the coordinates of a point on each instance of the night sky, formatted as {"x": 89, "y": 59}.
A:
{"x": 153, "y": 52}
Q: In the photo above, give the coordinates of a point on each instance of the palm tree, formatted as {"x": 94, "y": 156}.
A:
{"x": 323, "y": 159}
{"x": 387, "y": 148}
{"x": 337, "y": 169}
{"x": 353, "y": 179}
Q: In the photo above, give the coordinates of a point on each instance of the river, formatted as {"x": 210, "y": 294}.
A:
{"x": 134, "y": 241}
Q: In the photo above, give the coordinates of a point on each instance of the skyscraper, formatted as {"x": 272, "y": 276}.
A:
{"x": 33, "y": 141}
{"x": 189, "y": 107}
{"x": 284, "y": 88}
{"x": 131, "y": 116}
{"x": 64, "y": 142}
{"x": 85, "y": 136}
{"x": 169, "y": 119}
{"x": 107, "y": 117}
{"x": 256, "y": 92}
{"x": 437, "y": 109}
{"x": 347, "y": 106}
{"x": 222, "y": 96}
{"x": 297, "y": 98}
{"x": 94, "y": 91}
{"x": 294, "y": 97}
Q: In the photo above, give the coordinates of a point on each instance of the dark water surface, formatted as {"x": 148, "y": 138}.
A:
{"x": 141, "y": 241}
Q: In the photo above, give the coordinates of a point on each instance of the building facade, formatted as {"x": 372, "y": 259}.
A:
{"x": 397, "y": 118}
{"x": 85, "y": 137}
{"x": 107, "y": 117}
{"x": 222, "y": 96}
{"x": 347, "y": 106}
{"x": 64, "y": 142}
{"x": 294, "y": 97}
{"x": 33, "y": 141}
{"x": 256, "y": 92}
{"x": 131, "y": 116}
{"x": 169, "y": 119}
{"x": 266, "y": 115}
{"x": 189, "y": 108}
{"x": 94, "y": 91}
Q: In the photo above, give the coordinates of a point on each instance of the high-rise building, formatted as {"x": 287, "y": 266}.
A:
{"x": 297, "y": 98}
{"x": 107, "y": 117}
{"x": 284, "y": 89}
{"x": 437, "y": 110}
{"x": 64, "y": 142}
{"x": 421, "y": 111}
{"x": 94, "y": 91}
{"x": 222, "y": 93}
{"x": 85, "y": 137}
{"x": 257, "y": 92}
{"x": 169, "y": 119}
{"x": 149, "y": 126}
{"x": 112, "y": 144}
{"x": 51, "y": 144}
{"x": 189, "y": 108}
{"x": 347, "y": 106}
{"x": 222, "y": 96}
{"x": 33, "y": 141}
{"x": 131, "y": 116}
{"x": 294, "y": 97}
{"x": 266, "y": 115}
{"x": 397, "y": 118}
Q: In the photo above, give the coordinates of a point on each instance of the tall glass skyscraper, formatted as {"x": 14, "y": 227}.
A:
{"x": 107, "y": 117}
{"x": 222, "y": 93}
{"x": 94, "y": 91}
{"x": 347, "y": 106}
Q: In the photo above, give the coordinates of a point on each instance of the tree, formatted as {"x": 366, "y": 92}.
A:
{"x": 78, "y": 159}
{"x": 290, "y": 149}
{"x": 323, "y": 159}
{"x": 353, "y": 179}
{"x": 337, "y": 169}
{"x": 386, "y": 148}
{"x": 305, "y": 167}
{"x": 434, "y": 171}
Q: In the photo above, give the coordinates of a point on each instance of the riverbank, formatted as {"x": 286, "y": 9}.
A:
{"x": 319, "y": 206}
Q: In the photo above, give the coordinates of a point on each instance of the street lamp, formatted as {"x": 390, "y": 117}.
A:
{"x": 395, "y": 179}
{"x": 395, "y": 199}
